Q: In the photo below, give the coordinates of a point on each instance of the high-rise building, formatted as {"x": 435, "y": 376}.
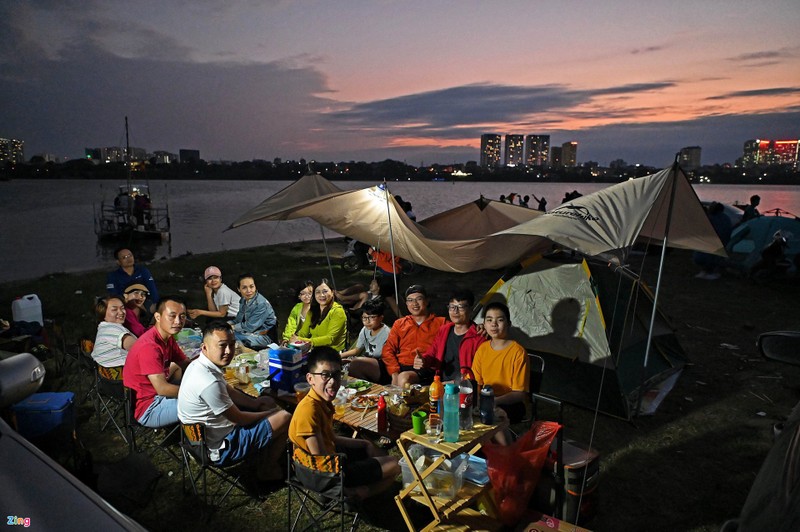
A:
{"x": 569, "y": 153}
{"x": 490, "y": 150}
{"x": 515, "y": 150}
{"x": 555, "y": 156}
{"x": 761, "y": 151}
{"x": 537, "y": 147}
{"x": 189, "y": 156}
{"x": 689, "y": 158}
{"x": 12, "y": 150}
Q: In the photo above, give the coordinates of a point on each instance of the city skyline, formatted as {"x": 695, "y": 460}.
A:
{"x": 410, "y": 81}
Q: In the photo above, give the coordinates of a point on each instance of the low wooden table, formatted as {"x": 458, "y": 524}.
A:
{"x": 444, "y": 510}
{"x": 361, "y": 420}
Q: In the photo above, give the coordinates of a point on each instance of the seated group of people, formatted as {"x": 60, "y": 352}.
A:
{"x": 169, "y": 389}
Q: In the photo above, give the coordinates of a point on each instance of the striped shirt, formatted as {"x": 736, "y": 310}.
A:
{"x": 108, "y": 351}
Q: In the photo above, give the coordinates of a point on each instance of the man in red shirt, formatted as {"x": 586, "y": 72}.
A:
{"x": 410, "y": 337}
{"x": 155, "y": 364}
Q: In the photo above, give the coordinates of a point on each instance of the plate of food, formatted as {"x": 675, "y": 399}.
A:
{"x": 359, "y": 386}
{"x": 364, "y": 402}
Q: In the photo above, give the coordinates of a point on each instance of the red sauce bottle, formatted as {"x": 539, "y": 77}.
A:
{"x": 383, "y": 420}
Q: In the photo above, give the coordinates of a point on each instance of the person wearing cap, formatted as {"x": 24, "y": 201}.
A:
{"x": 128, "y": 273}
{"x": 222, "y": 302}
{"x": 137, "y": 318}
{"x": 411, "y": 336}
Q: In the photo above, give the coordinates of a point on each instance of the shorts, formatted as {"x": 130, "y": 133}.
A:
{"x": 425, "y": 374}
{"x": 360, "y": 469}
{"x": 243, "y": 441}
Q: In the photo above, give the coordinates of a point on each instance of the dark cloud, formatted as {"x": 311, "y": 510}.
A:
{"x": 775, "y": 91}
{"x": 758, "y": 56}
{"x": 647, "y": 50}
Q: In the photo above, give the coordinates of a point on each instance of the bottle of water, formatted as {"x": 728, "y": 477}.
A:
{"x": 451, "y": 413}
{"x": 465, "y": 398}
{"x": 487, "y": 405}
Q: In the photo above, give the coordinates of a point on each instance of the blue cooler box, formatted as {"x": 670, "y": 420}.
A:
{"x": 286, "y": 374}
{"x": 287, "y": 355}
{"x": 42, "y": 412}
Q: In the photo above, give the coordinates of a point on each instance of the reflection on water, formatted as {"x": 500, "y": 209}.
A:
{"x": 48, "y": 225}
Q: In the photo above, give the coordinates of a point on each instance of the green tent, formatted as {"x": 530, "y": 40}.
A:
{"x": 590, "y": 326}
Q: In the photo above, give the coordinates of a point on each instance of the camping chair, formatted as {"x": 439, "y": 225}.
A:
{"x": 109, "y": 399}
{"x": 318, "y": 483}
{"x": 536, "y": 368}
{"x": 195, "y": 449}
{"x": 87, "y": 363}
{"x": 149, "y": 439}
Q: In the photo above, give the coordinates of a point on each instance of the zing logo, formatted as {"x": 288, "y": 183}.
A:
{"x": 23, "y": 521}
{"x": 576, "y": 212}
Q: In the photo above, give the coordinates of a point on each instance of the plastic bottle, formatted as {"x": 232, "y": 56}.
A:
{"x": 487, "y": 405}
{"x": 451, "y": 412}
{"x": 436, "y": 391}
{"x": 383, "y": 420}
{"x": 465, "y": 400}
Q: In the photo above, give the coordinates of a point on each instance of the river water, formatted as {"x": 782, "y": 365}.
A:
{"x": 47, "y": 226}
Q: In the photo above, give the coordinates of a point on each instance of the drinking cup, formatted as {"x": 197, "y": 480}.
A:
{"x": 340, "y": 405}
{"x": 434, "y": 425}
{"x": 418, "y": 421}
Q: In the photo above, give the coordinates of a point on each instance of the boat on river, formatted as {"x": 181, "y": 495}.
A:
{"x": 132, "y": 214}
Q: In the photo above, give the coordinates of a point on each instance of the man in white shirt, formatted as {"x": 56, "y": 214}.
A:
{"x": 238, "y": 426}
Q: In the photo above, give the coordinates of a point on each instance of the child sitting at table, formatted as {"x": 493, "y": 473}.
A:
{"x": 368, "y": 469}
{"x": 503, "y": 364}
{"x": 365, "y": 357}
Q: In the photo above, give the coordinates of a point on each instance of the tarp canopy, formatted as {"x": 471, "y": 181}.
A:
{"x": 477, "y": 219}
{"x": 581, "y": 321}
{"x": 606, "y": 223}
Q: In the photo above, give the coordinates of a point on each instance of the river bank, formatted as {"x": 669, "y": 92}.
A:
{"x": 663, "y": 472}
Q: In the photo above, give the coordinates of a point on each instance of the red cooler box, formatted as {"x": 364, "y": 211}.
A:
{"x": 43, "y": 412}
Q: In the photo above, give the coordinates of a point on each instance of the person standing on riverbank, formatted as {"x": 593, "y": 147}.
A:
{"x": 128, "y": 273}
{"x": 222, "y": 302}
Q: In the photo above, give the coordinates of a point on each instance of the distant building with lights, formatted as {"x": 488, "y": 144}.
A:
{"x": 515, "y": 150}
{"x": 12, "y": 150}
{"x": 689, "y": 158}
{"x": 569, "y": 154}
{"x": 490, "y": 150}
{"x": 114, "y": 154}
{"x": 769, "y": 152}
{"x": 537, "y": 149}
{"x": 555, "y": 156}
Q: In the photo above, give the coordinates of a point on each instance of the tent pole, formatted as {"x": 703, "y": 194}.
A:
{"x": 391, "y": 241}
{"x": 675, "y": 168}
{"x": 327, "y": 255}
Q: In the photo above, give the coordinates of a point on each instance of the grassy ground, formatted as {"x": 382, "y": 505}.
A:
{"x": 689, "y": 467}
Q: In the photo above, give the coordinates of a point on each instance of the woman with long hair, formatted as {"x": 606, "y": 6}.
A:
{"x": 326, "y": 322}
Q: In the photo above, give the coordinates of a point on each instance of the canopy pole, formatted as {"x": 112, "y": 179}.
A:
{"x": 327, "y": 256}
{"x": 675, "y": 168}
{"x": 391, "y": 242}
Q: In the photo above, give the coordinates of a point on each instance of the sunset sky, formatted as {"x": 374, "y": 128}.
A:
{"x": 416, "y": 81}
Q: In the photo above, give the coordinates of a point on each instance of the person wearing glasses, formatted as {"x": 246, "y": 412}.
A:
{"x": 457, "y": 340}
{"x": 256, "y": 317}
{"x": 128, "y": 273}
{"x": 305, "y": 294}
{"x": 369, "y": 470}
{"x": 222, "y": 302}
{"x": 238, "y": 426}
{"x": 365, "y": 357}
{"x": 326, "y": 324}
{"x": 411, "y": 336}
{"x": 137, "y": 318}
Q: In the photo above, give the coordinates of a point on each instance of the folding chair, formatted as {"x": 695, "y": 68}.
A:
{"x": 536, "y": 368}
{"x": 195, "y": 449}
{"x": 318, "y": 482}
{"x": 86, "y": 363}
{"x": 110, "y": 400}
{"x": 148, "y": 438}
